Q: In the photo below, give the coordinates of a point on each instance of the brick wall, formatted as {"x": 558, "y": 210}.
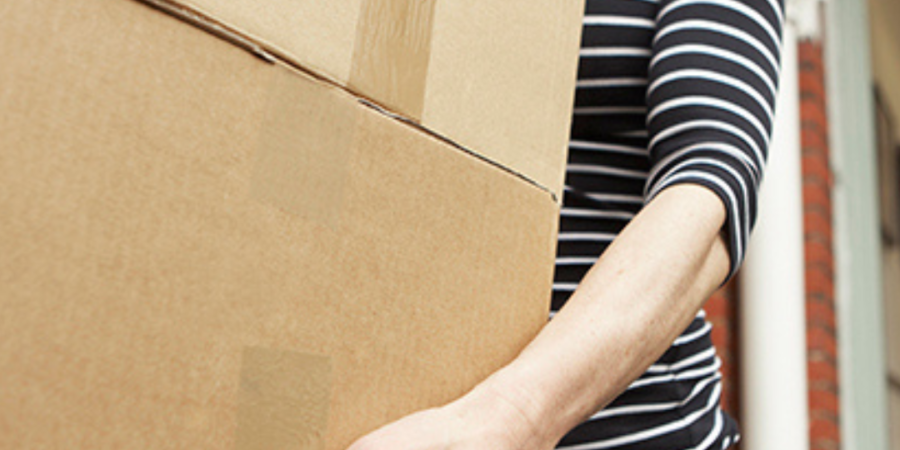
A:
{"x": 821, "y": 329}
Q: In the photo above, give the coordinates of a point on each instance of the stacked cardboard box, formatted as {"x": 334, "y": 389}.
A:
{"x": 262, "y": 225}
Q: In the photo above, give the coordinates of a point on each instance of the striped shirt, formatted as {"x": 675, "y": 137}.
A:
{"x": 669, "y": 92}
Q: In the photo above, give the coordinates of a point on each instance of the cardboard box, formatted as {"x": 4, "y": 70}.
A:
{"x": 202, "y": 248}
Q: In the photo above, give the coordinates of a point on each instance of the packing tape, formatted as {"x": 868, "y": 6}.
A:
{"x": 283, "y": 400}
{"x": 392, "y": 52}
{"x": 305, "y": 145}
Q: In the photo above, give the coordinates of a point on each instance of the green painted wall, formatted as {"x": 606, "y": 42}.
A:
{"x": 859, "y": 281}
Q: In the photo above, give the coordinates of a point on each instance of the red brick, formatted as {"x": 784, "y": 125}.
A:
{"x": 818, "y": 337}
{"x": 817, "y": 167}
{"x": 823, "y": 400}
{"x": 817, "y": 182}
{"x": 812, "y": 101}
{"x": 812, "y": 81}
{"x": 817, "y": 222}
{"x": 817, "y": 312}
{"x": 812, "y": 143}
{"x": 822, "y": 371}
{"x": 810, "y": 54}
{"x": 817, "y": 252}
{"x": 816, "y": 193}
{"x": 816, "y": 356}
{"x": 807, "y": 65}
{"x": 811, "y": 121}
{"x": 818, "y": 292}
{"x": 816, "y": 281}
{"x": 824, "y": 429}
{"x": 826, "y": 269}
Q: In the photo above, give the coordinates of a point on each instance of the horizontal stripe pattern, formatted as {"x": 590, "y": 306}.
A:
{"x": 668, "y": 92}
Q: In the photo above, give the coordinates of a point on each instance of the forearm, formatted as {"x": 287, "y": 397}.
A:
{"x": 633, "y": 303}
{"x": 644, "y": 291}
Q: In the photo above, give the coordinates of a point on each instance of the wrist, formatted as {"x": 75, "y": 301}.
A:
{"x": 505, "y": 403}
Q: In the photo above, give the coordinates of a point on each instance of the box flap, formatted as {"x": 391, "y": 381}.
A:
{"x": 496, "y": 79}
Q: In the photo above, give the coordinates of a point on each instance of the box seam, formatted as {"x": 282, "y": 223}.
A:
{"x": 235, "y": 36}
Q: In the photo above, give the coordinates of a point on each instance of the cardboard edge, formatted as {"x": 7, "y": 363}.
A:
{"x": 273, "y": 55}
{"x": 461, "y": 148}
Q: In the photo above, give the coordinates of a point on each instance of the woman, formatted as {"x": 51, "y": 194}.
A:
{"x": 674, "y": 110}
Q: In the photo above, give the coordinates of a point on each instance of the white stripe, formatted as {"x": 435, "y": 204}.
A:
{"x": 717, "y": 124}
{"x": 677, "y": 376}
{"x": 598, "y": 110}
{"x": 575, "y": 260}
{"x": 579, "y": 212}
{"x": 611, "y": 82}
{"x": 619, "y": 198}
{"x": 593, "y": 52}
{"x": 728, "y": 149}
{"x": 691, "y": 337}
{"x": 699, "y": 24}
{"x": 719, "y": 53}
{"x": 618, "y": 148}
{"x": 713, "y": 102}
{"x": 569, "y": 287}
{"x": 622, "y": 21}
{"x": 713, "y": 433}
{"x": 750, "y": 13}
{"x": 651, "y": 432}
{"x": 657, "y": 407}
{"x": 777, "y": 9}
{"x": 717, "y": 77}
{"x": 603, "y": 237}
{"x": 605, "y": 170}
{"x": 681, "y": 364}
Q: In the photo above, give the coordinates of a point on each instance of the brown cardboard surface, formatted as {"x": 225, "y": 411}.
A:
{"x": 518, "y": 104}
{"x": 311, "y": 183}
{"x": 157, "y": 289}
{"x": 498, "y": 80}
{"x": 282, "y": 400}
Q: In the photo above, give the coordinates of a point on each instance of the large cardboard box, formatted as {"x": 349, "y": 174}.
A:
{"x": 207, "y": 247}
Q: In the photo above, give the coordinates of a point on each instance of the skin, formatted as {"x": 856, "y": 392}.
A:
{"x": 636, "y": 299}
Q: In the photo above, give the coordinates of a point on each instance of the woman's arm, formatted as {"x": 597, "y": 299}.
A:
{"x": 643, "y": 291}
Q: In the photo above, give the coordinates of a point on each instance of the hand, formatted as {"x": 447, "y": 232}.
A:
{"x": 481, "y": 420}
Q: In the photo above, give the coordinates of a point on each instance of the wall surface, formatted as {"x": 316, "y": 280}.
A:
{"x": 856, "y": 227}
{"x": 821, "y": 327}
{"x": 885, "y": 36}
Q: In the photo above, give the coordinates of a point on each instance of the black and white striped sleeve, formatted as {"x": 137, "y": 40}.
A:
{"x": 712, "y": 84}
